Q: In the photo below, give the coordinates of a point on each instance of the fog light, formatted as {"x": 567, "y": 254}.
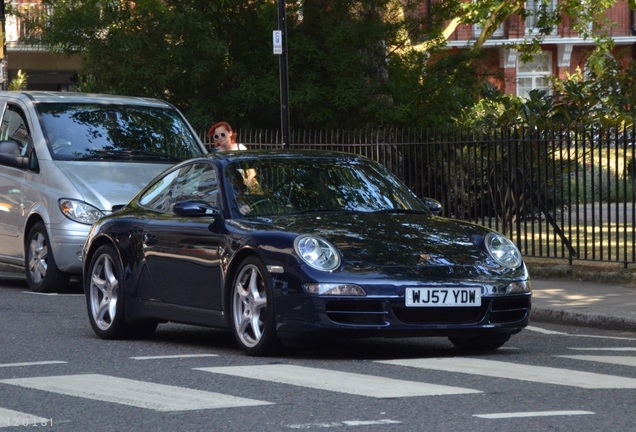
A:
{"x": 519, "y": 287}
{"x": 334, "y": 289}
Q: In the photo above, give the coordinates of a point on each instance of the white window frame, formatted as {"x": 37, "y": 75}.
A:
{"x": 499, "y": 33}
{"x": 537, "y": 72}
{"x": 531, "y": 20}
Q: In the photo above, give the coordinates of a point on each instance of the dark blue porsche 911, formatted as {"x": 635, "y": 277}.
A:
{"x": 280, "y": 246}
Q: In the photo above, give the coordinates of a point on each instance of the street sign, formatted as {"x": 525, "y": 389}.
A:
{"x": 278, "y": 42}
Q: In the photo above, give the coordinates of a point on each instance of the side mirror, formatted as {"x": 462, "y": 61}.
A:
{"x": 10, "y": 154}
{"x": 433, "y": 205}
{"x": 194, "y": 208}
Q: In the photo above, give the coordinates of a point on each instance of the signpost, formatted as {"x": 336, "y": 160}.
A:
{"x": 280, "y": 49}
{"x": 3, "y": 48}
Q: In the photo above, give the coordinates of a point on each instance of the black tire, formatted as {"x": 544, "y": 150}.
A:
{"x": 252, "y": 310}
{"x": 105, "y": 298}
{"x": 42, "y": 273}
{"x": 480, "y": 343}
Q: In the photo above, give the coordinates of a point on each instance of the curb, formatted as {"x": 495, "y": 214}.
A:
{"x": 604, "y": 322}
{"x": 607, "y": 273}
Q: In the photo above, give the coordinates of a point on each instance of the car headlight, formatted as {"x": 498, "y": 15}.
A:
{"x": 317, "y": 252}
{"x": 79, "y": 211}
{"x": 503, "y": 250}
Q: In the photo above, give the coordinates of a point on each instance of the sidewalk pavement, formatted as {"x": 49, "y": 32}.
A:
{"x": 561, "y": 301}
{"x": 586, "y": 304}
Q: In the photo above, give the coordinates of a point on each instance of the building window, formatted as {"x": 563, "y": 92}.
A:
{"x": 498, "y": 34}
{"x": 536, "y": 9}
{"x": 534, "y": 75}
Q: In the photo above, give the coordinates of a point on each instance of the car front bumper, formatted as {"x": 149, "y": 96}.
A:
{"x": 67, "y": 244}
{"x": 376, "y": 317}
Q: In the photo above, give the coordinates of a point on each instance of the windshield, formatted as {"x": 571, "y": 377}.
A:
{"x": 79, "y": 131}
{"x": 292, "y": 186}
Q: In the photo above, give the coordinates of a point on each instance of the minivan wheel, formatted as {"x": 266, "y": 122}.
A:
{"x": 42, "y": 273}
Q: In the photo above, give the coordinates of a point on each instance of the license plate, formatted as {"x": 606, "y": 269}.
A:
{"x": 440, "y": 297}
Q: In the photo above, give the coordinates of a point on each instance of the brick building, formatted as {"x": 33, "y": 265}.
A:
{"x": 562, "y": 51}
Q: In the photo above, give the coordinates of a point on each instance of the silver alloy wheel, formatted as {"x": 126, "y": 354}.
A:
{"x": 38, "y": 256}
{"x": 103, "y": 291}
{"x": 249, "y": 302}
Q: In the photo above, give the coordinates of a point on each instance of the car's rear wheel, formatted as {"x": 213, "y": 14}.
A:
{"x": 42, "y": 273}
{"x": 480, "y": 343}
{"x": 252, "y": 309}
{"x": 105, "y": 298}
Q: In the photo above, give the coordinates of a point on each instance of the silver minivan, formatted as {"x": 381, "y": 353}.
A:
{"x": 67, "y": 159}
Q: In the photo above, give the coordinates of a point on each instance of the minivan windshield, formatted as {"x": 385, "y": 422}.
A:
{"x": 83, "y": 131}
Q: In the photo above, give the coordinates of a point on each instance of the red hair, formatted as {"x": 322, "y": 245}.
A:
{"x": 224, "y": 124}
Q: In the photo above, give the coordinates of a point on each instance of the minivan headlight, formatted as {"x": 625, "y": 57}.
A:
{"x": 79, "y": 211}
{"x": 503, "y": 250}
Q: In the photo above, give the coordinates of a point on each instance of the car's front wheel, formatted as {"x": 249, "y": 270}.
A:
{"x": 105, "y": 299}
{"x": 480, "y": 343}
{"x": 252, "y": 309}
{"x": 42, "y": 273}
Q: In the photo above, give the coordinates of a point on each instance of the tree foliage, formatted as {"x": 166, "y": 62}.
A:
{"x": 352, "y": 63}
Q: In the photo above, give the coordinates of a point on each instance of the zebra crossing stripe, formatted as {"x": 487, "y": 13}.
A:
{"x": 158, "y": 397}
{"x": 617, "y": 360}
{"x": 177, "y": 356}
{"x": 540, "y": 374}
{"x": 341, "y": 382}
{"x": 532, "y": 414}
{"x": 40, "y": 363}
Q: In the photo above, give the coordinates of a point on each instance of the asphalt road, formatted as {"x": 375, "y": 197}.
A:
{"x": 55, "y": 374}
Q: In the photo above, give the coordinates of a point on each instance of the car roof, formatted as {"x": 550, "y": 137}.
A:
{"x": 74, "y": 97}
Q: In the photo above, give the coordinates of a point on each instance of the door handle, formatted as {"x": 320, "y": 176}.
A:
{"x": 149, "y": 239}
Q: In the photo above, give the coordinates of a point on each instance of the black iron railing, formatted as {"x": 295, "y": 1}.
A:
{"x": 563, "y": 193}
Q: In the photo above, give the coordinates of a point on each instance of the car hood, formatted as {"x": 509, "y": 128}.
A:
{"x": 108, "y": 184}
{"x": 392, "y": 240}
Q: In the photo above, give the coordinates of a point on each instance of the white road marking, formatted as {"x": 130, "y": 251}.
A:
{"x": 616, "y": 360}
{"x": 341, "y": 382}
{"x": 604, "y": 349}
{"x": 10, "y": 418}
{"x": 552, "y": 332}
{"x": 545, "y": 331}
{"x": 540, "y": 374}
{"x": 40, "y": 363}
{"x": 532, "y": 414}
{"x": 182, "y": 356}
{"x": 52, "y": 294}
{"x": 158, "y": 397}
{"x": 605, "y": 337}
{"x": 344, "y": 423}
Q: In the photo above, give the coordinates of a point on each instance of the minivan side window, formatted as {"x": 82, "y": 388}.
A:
{"x": 15, "y": 127}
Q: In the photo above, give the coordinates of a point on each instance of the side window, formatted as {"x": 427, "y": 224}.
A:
{"x": 14, "y": 126}
{"x": 159, "y": 196}
{"x": 197, "y": 182}
{"x": 192, "y": 182}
